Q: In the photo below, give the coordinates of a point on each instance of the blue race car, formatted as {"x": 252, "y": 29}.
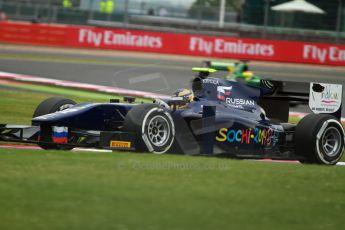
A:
{"x": 221, "y": 117}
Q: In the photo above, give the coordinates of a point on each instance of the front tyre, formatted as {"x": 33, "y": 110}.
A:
{"x": 319, "y": 138}
{"x": 153, "y": 127}
{"x": 52, "y": 105}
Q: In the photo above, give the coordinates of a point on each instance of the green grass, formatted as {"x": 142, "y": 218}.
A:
{"x": 294, "y": 120}
{"x": 17, "y": 105}
{"x": 63, "y": 190}
{"x": 67, "y": 190}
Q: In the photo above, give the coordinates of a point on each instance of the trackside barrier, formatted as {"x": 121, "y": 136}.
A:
{"x": 171, "y": 43}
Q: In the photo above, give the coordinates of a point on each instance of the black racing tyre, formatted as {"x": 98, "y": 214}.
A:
{"x": 51, "y": 105}
{"x": 319, "y": 138}
{"x": 152, "y": 126}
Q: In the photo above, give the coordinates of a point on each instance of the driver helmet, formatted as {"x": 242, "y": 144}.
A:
{"x": 248, "y": 74}
{"x": 187, "y": 96}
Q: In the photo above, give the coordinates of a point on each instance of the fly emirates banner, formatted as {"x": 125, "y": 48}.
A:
{"x": 171, "y": 43}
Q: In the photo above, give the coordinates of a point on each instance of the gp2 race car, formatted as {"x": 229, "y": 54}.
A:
{"x": 237, "y": 70}
{"x": 223, "y": 117}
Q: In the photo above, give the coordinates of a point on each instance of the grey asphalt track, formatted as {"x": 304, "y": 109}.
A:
{"x": 138, "y": 71}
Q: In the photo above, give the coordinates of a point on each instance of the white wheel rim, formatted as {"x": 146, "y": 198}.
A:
{"x": 63, "y": 107}
{"x": 158, "y": 131}
{"x": 338, "y": 151}
{"x": 331, "y": 141}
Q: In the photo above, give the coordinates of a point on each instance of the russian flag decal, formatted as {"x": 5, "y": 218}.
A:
{"x": 60, "y": 135}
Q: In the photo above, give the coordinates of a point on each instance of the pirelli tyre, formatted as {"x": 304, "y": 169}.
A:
{"x": 319, "y": 138}
{"x": 153, "y": 127}
{"x": 52, "y": 105}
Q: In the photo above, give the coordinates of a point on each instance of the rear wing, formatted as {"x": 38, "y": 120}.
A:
{"x": 321, "y": 97}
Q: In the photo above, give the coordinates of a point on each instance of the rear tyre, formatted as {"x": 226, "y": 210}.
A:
{"x": 52, "y": 105}
{"x": 152, "y": 126}
{"x": 319, "y": 138}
